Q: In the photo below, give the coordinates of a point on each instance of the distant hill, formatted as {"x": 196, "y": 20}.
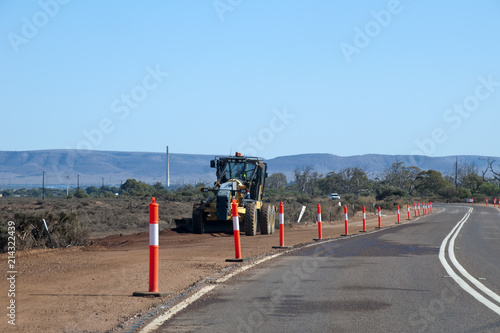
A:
{"x": 25, "y": 167}
{"x": 92, "y": 166}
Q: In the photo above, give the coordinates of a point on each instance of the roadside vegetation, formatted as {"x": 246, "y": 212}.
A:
{"x": 73, "y": 218}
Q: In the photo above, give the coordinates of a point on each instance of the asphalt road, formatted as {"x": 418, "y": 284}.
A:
{"x": 409, "y": 278}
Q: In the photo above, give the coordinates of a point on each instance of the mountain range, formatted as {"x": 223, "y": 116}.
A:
{"x": 56, "y": 167}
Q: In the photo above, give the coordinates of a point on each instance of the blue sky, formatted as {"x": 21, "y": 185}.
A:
{"x": 266, "y": 78}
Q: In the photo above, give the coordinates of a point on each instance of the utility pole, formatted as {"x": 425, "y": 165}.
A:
{"x": 456, "y": 172}
{"x": 43, "y": 185}
{"x": 102, "y": 181}
{"x": 168, "y": 169}
{"x": 78, "y": 182}
{"x": 67, "y": 186}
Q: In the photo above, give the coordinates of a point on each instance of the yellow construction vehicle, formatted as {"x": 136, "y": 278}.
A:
{"x": 241, "y": 178}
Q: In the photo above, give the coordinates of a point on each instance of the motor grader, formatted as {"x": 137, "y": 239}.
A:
{"x": 240, "y": 178}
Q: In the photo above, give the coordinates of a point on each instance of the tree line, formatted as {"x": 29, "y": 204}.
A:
{"x": 398, "y": 180}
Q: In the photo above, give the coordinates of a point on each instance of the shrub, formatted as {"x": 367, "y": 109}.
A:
{"x": 383, "y": 192}
{"x": 65, "y": 230}
{"x": 448, "y": 192}
{"x": 304, "y": 199}
{"x": 464, "y": 193}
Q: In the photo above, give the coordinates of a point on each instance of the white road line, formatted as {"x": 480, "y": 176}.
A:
{"x": 160, "y": 320}
{"x": 442, "y": 257}
{"x": 156, "y": 323}
{"x": 454, "y": 261}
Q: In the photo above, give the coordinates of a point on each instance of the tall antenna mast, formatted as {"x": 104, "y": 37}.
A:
{"x": 168, "y": 168}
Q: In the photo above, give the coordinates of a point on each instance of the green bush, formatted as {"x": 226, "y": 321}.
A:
{"x": 383, "y": 192}
{"x": 489, "y": 189}
{"x": 448, "y": 192}
{"x": 464, "y": 193}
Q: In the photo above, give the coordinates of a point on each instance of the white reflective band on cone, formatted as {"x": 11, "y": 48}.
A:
{"x": 236, "y": 223}
{"x": 319, "y": 217}
{"x": 153, "y": 234}
{"x": 281, "y": 219}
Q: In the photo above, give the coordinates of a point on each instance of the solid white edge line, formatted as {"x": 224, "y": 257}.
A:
{"x": 157, "y": 322}
{"x": 160, "y": 320}
{"x": 495, "y": 308}
{"x": 465, "y": 273}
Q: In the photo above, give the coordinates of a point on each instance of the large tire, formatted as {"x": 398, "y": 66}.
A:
{"x": 266, "y": 219}
{"x": 198, "y": 220}
{"x": 251, "y": 220}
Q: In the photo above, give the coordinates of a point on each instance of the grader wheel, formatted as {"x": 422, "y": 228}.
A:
{"x": 251, "y": 220}
{"x": 267, "y": 219}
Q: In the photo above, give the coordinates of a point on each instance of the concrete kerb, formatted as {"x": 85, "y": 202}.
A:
{"x": 232, "y": 271}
